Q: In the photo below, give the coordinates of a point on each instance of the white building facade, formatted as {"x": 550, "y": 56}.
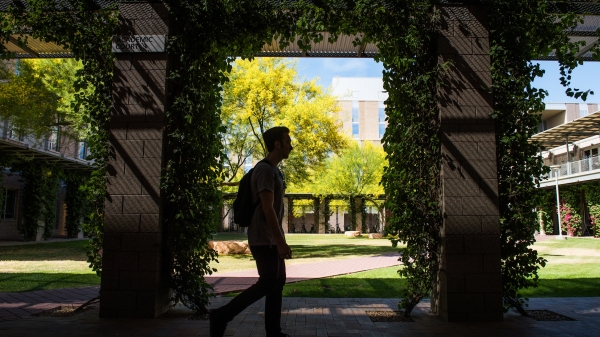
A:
{"x": 363, "y": 110}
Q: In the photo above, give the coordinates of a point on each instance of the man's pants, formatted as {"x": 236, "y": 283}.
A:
{"x": 271, "y": 272}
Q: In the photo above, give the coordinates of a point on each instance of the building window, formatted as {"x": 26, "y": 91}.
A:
{"x": 590, "y": 153}
{"x": 355, "y": 125}
{"x": 583, "y": 110}
{"x": 355, "y": 130}
{"x": 381, "y": 130}
{"x": 226, "y": 162}
{"x": 83, "y": 149}
{"x": 381, "y": 119}
{"x": 52, "y": 144}
{"x": 10, "y": 204}
{"x": 248, "y": 163}
{"x": 543, "y": 126}
{"x": 14, "y": 135}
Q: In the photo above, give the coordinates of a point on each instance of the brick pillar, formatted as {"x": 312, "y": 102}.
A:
{"x": 134, "y": 278}
{"x": 320, "y": 223}
{"x": 284, "y": 221}
{"x": 470, "y": 280}
{"x": 358, "y": 201}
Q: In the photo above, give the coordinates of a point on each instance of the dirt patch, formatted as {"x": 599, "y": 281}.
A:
{"x": 68, "y": 310}
{"x": 568, "y": 252}
{"x": 547, "y": 316}
{"x": 388, "y": 316}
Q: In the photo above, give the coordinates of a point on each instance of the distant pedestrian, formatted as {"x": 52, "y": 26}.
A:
{"x": 266, "y": 240}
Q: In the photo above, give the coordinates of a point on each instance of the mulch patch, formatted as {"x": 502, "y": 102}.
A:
{"x": 388, "y": 316}
{"x": 547, "y": 316}
{"x": 62, "y": 311}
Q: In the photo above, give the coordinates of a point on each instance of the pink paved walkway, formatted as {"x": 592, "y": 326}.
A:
{"x": 15, "y": 306}
{"x": 236, "y": 281}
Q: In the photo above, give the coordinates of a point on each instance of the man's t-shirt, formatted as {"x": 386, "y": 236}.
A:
{"x": 269, "y": 178}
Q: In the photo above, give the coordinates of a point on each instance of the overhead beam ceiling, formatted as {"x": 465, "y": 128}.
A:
{"x": 343, "y": 47}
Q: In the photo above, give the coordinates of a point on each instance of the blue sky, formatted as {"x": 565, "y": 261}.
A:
{"x": 584, "y": 77}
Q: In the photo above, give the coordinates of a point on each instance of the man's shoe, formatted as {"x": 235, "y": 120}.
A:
{"x": 216, "y": 326}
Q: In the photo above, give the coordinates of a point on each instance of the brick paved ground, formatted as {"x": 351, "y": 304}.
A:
{"x": 320, "y": 317}
{"x": 14, "y": 306}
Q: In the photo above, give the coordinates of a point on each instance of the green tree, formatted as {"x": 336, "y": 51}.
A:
{"x": 59, "y": 77}
{"x": 39, "y": 96}
{"x": 267, "y": 92}
{"x": 26, "y": 103}
{"x": 357, "y": 170}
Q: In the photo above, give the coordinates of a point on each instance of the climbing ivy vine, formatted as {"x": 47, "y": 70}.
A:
{"x": 76, "y": 201}
{"x": 32, "y": 177}
{"x": 5, "y": 162}
{"x": 50, "y": 184}
{"x": 519, "y": 32}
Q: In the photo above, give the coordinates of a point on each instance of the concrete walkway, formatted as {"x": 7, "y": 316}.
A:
{"x": 320, "y": 317}
{"x": 15, "y": 306}
{"x": 236, "y": 281}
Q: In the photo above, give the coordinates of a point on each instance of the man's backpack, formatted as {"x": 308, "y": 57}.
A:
{"x": 244, "y": 205}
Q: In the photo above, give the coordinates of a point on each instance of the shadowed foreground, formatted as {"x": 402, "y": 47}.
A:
{"x": 321, "y": 317}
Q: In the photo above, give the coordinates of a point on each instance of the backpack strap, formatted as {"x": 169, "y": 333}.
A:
{"x": 262, "y": 161}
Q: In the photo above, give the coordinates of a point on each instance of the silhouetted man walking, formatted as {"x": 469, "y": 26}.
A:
{"x": 265, "y": 238}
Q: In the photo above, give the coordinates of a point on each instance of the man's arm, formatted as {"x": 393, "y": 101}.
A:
{"x": 266, "y": 199}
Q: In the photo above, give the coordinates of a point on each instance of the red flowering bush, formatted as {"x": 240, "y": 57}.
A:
{"x": 570, "y": 220}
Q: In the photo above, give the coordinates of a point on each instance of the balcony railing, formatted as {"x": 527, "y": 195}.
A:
{"x": 579, "y": 166}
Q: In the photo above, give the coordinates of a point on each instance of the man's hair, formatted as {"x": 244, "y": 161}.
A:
{"x": 274, "y": 134}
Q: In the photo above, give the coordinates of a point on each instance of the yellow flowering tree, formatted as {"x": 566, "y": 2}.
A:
{"x": 268, "y": 92}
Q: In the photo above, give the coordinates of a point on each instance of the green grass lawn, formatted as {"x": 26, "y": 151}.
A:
{"x": 572, "y": 269}
{"x": 45, "y": 266}
{"x": 63, "y": 265}
{"x": 308, "y": 248}
{"x": 376, "y": 283}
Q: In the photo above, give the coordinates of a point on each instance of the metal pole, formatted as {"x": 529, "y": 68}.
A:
{"x": 560, "y": 236}
{"x": 568, "y": 157}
